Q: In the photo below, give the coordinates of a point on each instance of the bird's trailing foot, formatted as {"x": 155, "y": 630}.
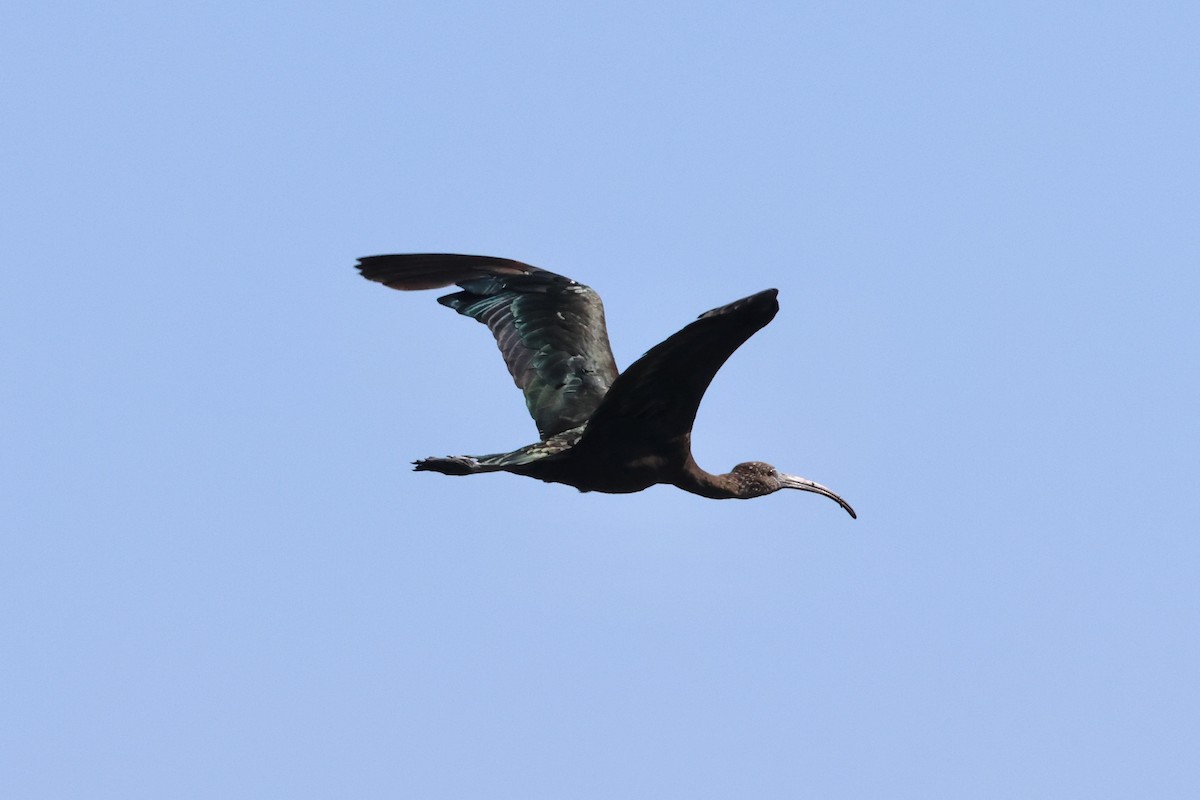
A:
{"x": 450, "y": 465}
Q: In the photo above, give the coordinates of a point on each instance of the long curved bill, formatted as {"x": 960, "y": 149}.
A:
{"x": 805, "y": 485}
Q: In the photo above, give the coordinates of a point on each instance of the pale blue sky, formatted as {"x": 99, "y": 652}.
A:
{"x": 220, "y": 579}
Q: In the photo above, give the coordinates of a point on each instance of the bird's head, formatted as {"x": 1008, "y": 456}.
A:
{"x": 754, "y": 479}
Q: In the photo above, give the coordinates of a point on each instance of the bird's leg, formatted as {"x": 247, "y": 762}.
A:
{"x": 450, "y": 465}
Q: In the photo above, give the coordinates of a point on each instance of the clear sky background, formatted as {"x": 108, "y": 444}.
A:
{"x": 220, "y": 579}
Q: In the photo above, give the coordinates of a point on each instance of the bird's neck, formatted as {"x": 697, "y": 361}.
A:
{"x": 694, "y": 479}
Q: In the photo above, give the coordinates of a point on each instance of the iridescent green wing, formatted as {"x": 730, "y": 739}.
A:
{"x": 549, "y": 328}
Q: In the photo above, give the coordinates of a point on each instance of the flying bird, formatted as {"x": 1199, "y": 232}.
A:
{"x": 601, "y": 430}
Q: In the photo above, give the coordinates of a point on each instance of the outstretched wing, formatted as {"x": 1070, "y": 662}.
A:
{"x": 654, "y": 401}
{"x": 549, "y": 328}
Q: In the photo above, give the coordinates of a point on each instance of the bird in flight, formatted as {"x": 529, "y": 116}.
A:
{"x": 601, "y": 431}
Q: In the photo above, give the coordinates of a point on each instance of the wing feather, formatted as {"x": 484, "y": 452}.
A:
{"x": 549, "y": 328}
{"x": 655, "y": 400}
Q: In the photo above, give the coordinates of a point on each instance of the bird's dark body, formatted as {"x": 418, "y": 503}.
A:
{"x": 622, "y": 468}
{"x": 601, "y": 431}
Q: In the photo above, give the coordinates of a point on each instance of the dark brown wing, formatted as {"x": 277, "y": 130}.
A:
{"x": 549, "y": 328}
{"x": 655, "y": 401}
